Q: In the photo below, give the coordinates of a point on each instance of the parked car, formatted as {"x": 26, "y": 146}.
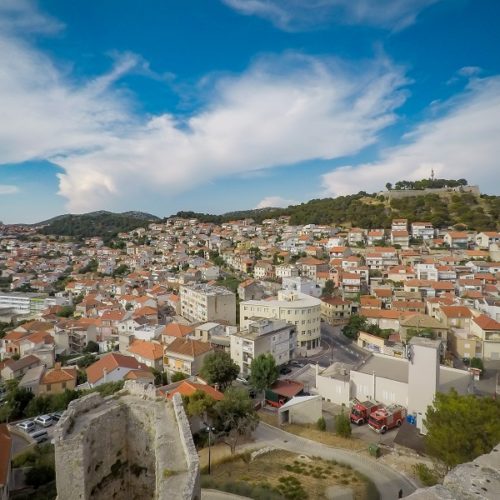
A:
{"x": 242, "y": 380}
{"x": 27, "y": 426}
{"x": 44, "y": 420}
{"x": 39, "y": 436}
{"x": 56, "y": 416}
{"x": 285, "y": 370}
{"x": 298, "y": 364}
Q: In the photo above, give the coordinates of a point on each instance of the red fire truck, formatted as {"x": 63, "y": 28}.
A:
{"x": 385, "y": 419}
{"x": 360, "y": 412}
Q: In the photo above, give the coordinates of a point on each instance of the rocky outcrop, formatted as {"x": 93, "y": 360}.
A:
{"x": 477, "y": 479}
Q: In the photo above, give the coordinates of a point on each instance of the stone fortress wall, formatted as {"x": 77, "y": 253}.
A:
{"x": 409, "y": 193}
{"x": 132, "y": 445}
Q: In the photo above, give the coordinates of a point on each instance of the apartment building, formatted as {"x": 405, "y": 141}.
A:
{"x": 26, "y": 303}
{"x": 296, "y": 308}
{"x": 201, "y": 303}
{"x": 263, "y": 336}
{"x": 423, "y": 230}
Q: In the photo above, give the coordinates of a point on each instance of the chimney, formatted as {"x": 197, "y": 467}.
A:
{"x": 57, "y": 365}
{"x": 105, "y": 374}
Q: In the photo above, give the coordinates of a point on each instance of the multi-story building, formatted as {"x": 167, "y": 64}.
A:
{"x": 335, "y": 310}
{"x": 302, "y": 285}
{"x": 399, "y": 225}
{"x": 264, "y": 336}
{"x": 26, "y": 303}
{"x": 296, "y": 308}
{"x": 201, "y": 303}
{"x": 423, "y": 230}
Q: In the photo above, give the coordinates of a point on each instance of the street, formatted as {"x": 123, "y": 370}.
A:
{"x": 336, "y": 347}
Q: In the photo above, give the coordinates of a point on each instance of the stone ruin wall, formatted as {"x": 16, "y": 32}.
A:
{"x": 132, "y": 445}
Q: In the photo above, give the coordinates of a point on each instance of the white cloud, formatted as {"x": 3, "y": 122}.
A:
{"x": 23, "y": 16}
{"x": 291, "y": 15}
{"x": 463, "y": 143}
{"x": 469, "y": 71}
{"x": 282, "y": 110}
{"x": 8, "y": 189}
{"x": 275, "y": 202}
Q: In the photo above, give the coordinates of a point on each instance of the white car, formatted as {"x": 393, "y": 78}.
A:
{"x": 242, "y": 380}
{"x": 44, "y": 420}
{"x": 27, "y": 426}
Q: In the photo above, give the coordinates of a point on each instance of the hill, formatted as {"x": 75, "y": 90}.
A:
{"x": 101, "y": 223}
{"x": 371, "y": 211}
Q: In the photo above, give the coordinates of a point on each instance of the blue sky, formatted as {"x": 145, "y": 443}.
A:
{"x": 218, "y": 105}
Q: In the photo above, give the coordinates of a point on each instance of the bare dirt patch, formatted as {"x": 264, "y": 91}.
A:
{"x": 292, "y": 476}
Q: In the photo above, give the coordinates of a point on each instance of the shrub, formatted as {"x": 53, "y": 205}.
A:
{"x": 321, "y": 424}
{"x": 343, "y": 425}
{"x": 426, "y": 475}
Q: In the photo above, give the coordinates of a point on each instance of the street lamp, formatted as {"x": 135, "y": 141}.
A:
{"x": 209, "y": 429}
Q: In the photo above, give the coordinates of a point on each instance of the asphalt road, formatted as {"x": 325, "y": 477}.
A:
{"x": 387, "y": 480}
{"x": 335, "y": 348}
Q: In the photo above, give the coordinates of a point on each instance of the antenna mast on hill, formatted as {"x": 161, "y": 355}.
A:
{"x": 432, "y": 174}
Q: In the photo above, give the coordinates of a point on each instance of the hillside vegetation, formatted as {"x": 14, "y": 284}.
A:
{"x": 104, "y": 224}
{"x": 369, "y": 211}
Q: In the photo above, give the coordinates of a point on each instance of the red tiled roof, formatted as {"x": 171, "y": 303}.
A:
{"x": 287, "y": 388}
{"x": 186, "y": 388}
{"x": 487, "y": 323}
{"x": 188, "y": 347}
{"x": 146, "y": 349}
{"x": 57, "y": 375}
{"x": 110, "y": 362}
{"x": 178, "y": 330}
{"x": 456, "y": 311}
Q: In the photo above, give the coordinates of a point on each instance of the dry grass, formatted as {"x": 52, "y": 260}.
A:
{"x": 314, "y": 474}
{"x": 312, "y": 433}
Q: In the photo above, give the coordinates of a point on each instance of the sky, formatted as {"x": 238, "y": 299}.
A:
{"x": 222, "y": 105}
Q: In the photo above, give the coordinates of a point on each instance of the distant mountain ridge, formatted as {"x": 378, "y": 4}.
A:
{"x": 98, "y": 213}
{"x": 101, "y": 223}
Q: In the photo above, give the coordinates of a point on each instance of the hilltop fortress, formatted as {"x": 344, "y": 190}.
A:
{"x": 408, "y": 193}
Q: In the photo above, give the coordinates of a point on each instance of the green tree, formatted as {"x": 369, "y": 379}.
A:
{"x": 263, "y": 372}
{"x": 86, "y": 360}
{"x": 218, "y": 368}
{"x": 329, "y": 288}
{"x": 477, "y": 363}
{"x": 121, "y": 270}
{"x": 356, "y": 324}
{"x": 460, "y": 428}
{"x": 91, "y": 347}
{"x": 388, "y": 186}
{"x": 343, "y": 425}
{"x": 235, "y": 416}
{"x": 161, "y": 378}
{"x": 16, "y": 401}
{"x": 178, "y": 376}
{"x": 199, "y": 404}
{"x": 66, "y": 312}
